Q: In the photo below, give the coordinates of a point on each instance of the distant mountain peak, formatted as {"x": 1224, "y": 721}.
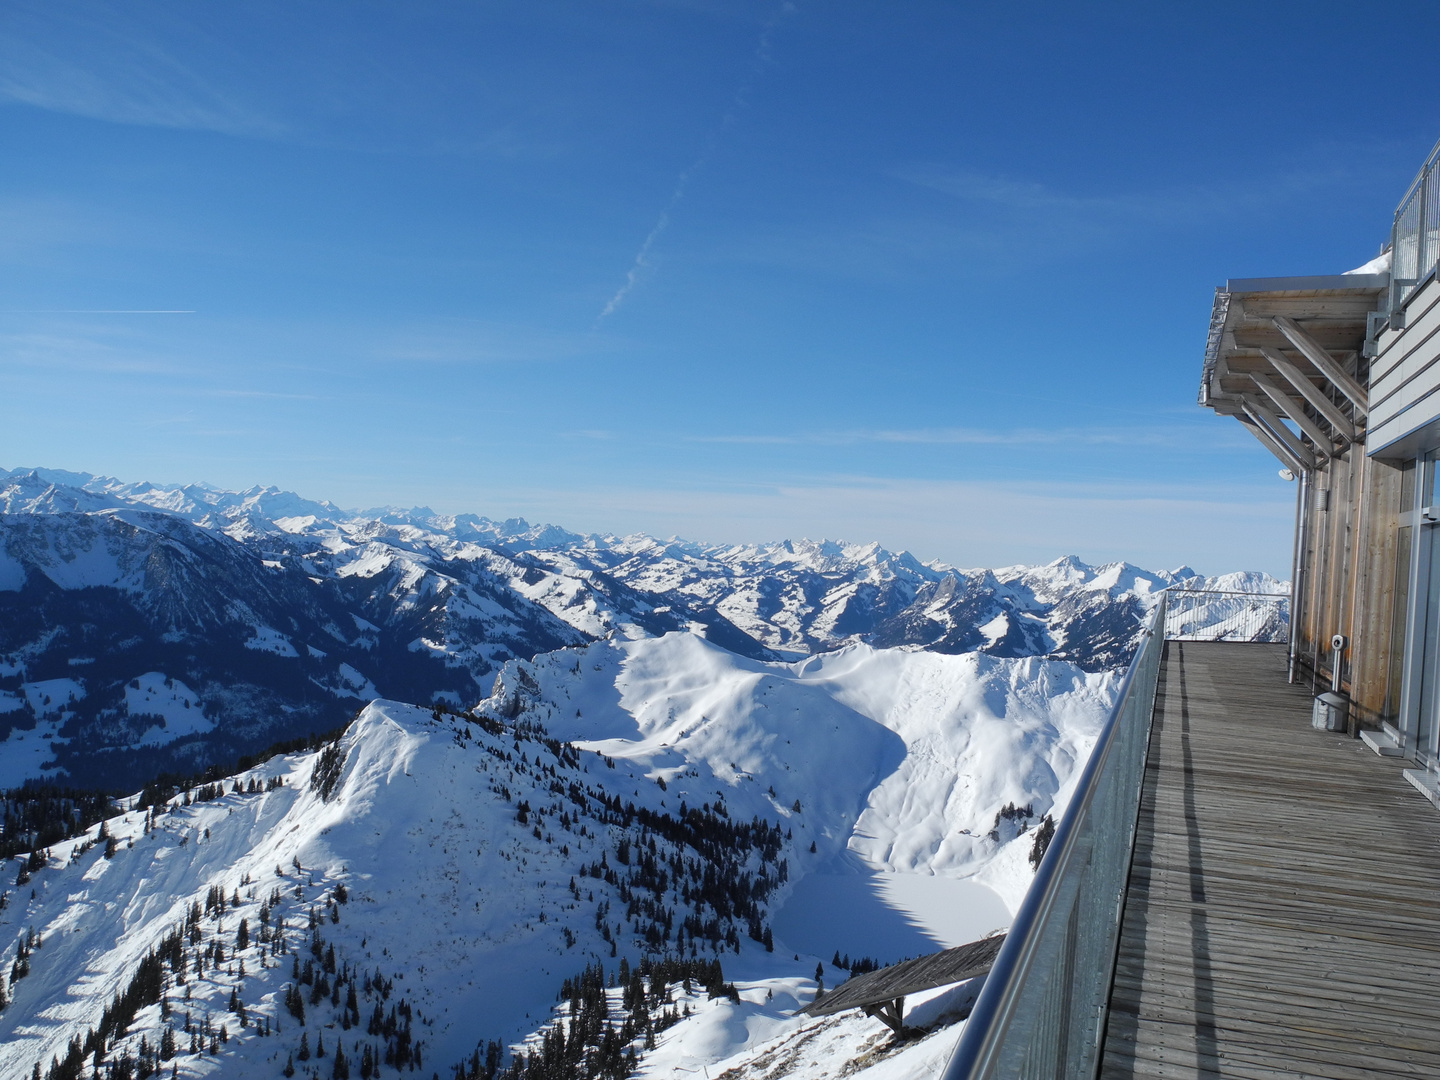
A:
{"x": 240, "y": 582}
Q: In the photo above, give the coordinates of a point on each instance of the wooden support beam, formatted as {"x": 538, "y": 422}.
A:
{"x": 1323, "y": 362}
{"x": 1288, "y": 457}
{"x": 1286, "y": 404}
{"x": 1323, "y": 405}
{"x": 1264, "y": 415}
{"x": 1281, "y": 454}
{"x": 890, "y": 1013}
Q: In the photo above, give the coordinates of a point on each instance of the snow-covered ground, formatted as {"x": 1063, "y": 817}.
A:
{"x": 766, "y": 1043}
{"x": 173, "y": 706}
{"x": 28, "y": 752}
{"x": 769, "y": 754}
{"x": 893, "y": 764}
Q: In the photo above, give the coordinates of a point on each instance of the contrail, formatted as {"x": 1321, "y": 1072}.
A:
{"x": 759, "y": 59}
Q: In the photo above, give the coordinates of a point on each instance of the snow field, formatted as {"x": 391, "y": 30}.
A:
{"x": 899, "y": 762}
{"x": 177, "y": 706}
{"x": 462, "y": 906}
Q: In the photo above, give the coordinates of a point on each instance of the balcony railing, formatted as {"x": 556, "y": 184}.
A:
{"x": 1219, "y": 615}
{"x": 1415, "y": 238}
{"x": 1042, "y": 1010}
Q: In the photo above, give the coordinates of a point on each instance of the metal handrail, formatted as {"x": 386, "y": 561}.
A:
{"x": 1039, "y": 966}
{"x": 1252, "y": 616}
{"x": 1182, "y": 588}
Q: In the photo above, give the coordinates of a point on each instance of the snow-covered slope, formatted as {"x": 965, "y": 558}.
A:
{"x": 899, "y": 746}
{"x": 492, "y": 828}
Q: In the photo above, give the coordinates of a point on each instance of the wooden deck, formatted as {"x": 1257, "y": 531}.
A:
{"x": 1283, "y": 911}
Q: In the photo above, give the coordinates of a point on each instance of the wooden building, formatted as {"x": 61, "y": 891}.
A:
{"x": 1339, "y": 377}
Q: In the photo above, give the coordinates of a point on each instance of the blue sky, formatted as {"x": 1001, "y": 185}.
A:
{"x": 935, "y": 274}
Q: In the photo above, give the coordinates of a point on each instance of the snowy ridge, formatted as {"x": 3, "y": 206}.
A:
{"x": 424, "y": 813}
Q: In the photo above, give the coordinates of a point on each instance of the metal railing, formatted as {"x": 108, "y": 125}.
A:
{"x": 1415, "y": 237}
{"x": 1043, "y": 1008}
{"x": 1220, "y": 615}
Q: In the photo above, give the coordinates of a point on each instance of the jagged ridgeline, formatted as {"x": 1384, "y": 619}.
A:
{"x": 147, "y": 630}
{"x": 258, "y": 961}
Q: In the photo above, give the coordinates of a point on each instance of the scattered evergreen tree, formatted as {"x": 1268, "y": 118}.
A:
{"x": 1043, "y": 835}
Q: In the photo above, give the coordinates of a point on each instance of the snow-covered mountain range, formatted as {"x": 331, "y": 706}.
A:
{"x": 146, "y": 629}
{"x": 663, "y": 782}
{"x": 653, "y": 795}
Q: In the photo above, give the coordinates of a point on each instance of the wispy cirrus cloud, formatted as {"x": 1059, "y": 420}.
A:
{"x": 1173, "y": 204}
{"x": 267, "y": 395}
{"x": 476, "y": 341}
{"x": 1119, "y": 435}
{"x": 1032, "y": 197}
{"x": 104, "y": 63}
{"x": 993, "y": 223}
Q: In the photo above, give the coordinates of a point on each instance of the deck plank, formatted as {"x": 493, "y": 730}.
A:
{"x": 1282, "y": 916}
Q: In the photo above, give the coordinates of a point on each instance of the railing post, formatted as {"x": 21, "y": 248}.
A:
{"x": 1420, "y": 227}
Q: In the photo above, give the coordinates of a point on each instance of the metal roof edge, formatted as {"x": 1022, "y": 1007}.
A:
{"x": 1322, "y": 283}
{"x": 1218, "y": 314}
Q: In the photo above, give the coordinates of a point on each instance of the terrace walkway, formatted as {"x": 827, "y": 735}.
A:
{"x": 1283, "y": 909}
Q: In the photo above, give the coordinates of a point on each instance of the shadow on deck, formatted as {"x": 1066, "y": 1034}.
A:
{"x": 1282, "y": 916}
